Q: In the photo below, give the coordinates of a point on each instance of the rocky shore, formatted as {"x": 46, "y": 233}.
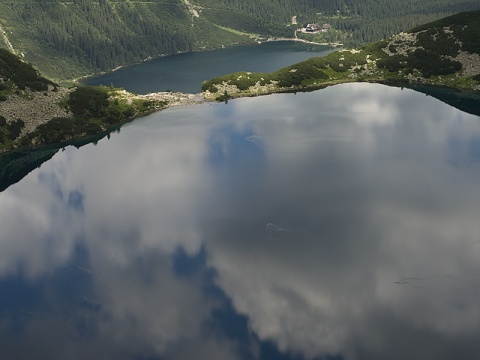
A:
{"x": 167, "y": 98}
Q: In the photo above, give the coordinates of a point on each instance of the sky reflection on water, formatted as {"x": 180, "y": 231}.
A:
{"x": 341, "y": 223}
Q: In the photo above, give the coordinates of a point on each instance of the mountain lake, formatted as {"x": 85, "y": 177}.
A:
{"x": 336, "y": 224}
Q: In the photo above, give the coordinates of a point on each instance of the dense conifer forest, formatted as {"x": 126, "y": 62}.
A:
{"x": 66, "y": 39}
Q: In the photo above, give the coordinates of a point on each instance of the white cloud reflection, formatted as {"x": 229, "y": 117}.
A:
{"x": 375, "y": 201}
{"x": 379, "y": 211}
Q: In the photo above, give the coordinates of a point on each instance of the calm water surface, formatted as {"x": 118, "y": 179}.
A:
{"x": 186, "y": 72}
{"x": 336, "y": 224}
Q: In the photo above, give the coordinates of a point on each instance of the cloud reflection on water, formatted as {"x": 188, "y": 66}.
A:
{"x": 367, "y": 191}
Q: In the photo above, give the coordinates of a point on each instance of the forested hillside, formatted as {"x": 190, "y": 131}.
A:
{"x": 371, "y": 20}
{"x": 66, "y": 39}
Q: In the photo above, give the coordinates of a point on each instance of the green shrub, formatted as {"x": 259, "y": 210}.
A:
{"x": 465, "y": 26}
{"x": 427, "y": 62}
{"x": 15, "y": 128}
{"x": 437, "y": 41}
{"x": 207, "y": 85}
{"x": 213, "y": 89}
{"x": 343, "y": 61}
{"x": 56, "y": 130}
{"x": 89, "y": 101}
{"x": 430, "y": 63}
{"x": 393, "y": 63}
{"x": 3, "y": 130}
{"x": 11, "y": 130}
{"x": 225, "y": 97}
{"x": 296, "y": 75}
{"x": 22, "y": 74}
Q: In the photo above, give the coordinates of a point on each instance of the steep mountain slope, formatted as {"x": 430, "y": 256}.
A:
{"x": 442, "y": 53}
{"x": 67, "y": 39}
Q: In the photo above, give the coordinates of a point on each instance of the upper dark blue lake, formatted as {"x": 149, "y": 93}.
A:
{"x": 335, "y": 224}
{"x": 186, "y": 72}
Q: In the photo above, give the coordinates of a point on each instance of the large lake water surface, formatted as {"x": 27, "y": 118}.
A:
{"x": 336, "y": 224}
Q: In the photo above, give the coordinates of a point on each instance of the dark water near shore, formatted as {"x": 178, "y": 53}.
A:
{"x": 186, "y": 72}
{"x": 335, "y": 224}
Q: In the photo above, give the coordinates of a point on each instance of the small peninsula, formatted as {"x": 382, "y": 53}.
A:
{"x": 443, "y": 53}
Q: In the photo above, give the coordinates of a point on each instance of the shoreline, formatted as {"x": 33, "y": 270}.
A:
{"x": 79, "y": 79}
{"x": 164, "y": 100}
{"x": 456, "y": 97}
{"x": 41, "y": 103}
{"x": 387, "y": 82}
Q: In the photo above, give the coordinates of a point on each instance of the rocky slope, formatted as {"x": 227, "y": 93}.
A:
{"x": 34, "y": 108}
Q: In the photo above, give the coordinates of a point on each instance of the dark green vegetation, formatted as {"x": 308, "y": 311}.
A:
{"x": 464, "y": 27}
{"x": 18, "y": 74}
{"x": 444, "y": 53}
{"x": 365, "y": 21}
{"x": 10, "y": 131}
{"x": 67, "y": 39}
{"x": 436, "y": 47}
{"x": 428, "y": 62}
